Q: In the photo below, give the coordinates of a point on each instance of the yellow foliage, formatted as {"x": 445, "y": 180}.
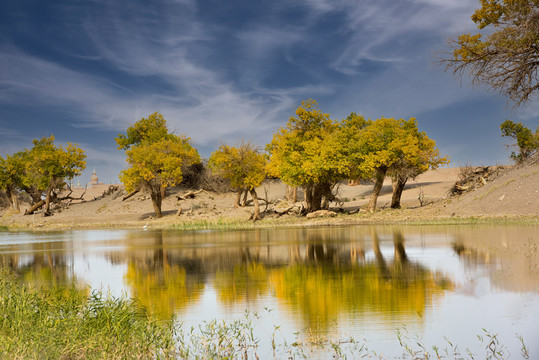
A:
{"x": 247, "y": 281}
{"x": 308, "y": 150}
{"x": 243, "y": 165}
{"x": 322, "y": 294}
{"x": 397, "y": 145}
{"x": 47, "y": 165}
{"x": 156, "y": 158}
{"x": 158, "y": 163}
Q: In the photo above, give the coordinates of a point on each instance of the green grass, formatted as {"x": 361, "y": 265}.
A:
{"x": 67, "y": 324}
{"x": 349, "y": 220}
{"x": 3, "y": 228}
{"x": 234, "y": 224}
{"x": 218, "y": 224}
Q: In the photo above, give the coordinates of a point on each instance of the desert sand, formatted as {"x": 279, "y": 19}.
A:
{"x": 513, "y": 194}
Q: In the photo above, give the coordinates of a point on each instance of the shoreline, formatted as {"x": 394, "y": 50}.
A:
{"x": 381, "y": 218}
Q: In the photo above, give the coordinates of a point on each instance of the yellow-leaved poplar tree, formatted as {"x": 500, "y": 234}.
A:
{"x": 309, "y": 152}
{"x": 395, "y": 146}
{"x": 46, "y": 167}
{"x": 156, "y": 157}
{"x": 244, "y": 166}
{"x": 419, "y": 155}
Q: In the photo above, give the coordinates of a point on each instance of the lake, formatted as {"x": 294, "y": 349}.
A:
{"x": 433, "y": 284}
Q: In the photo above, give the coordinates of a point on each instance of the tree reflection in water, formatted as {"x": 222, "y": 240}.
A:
{"x": 44, "y": 267}
{"x": 321, "y": 275}
{"x": 160, "y": 281}
{"x": 322, "y": 287}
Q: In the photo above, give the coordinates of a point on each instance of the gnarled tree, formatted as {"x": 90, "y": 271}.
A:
{"x": 157, "y": 158}
{"x": 309, "y": 153}
{"x": 244, "y": 166}
{"x": 418, "y": 156}
{"x": 10, "y": 170}
{"x": 396, "y": 145}
{"x": 47, "y": 167}
{"x": 506, "y": 59}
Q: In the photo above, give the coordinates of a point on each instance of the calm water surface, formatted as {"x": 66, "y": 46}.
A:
{"x": 366, "y": 282}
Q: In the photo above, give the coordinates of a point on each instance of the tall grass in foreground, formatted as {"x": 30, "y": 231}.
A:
{"x": 236, "y": 340}
{"x": 68, "y": 324}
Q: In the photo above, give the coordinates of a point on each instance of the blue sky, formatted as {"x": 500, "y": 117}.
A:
{"x": 222, "y": 71}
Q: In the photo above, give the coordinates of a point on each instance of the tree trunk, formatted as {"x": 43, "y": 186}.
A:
{"x": 381, "y": 262}
{"x": 398, "y": 187}
{"x": 256, "y": 215}
{"x": 313, "y": 197}
{"x": 13, "y": 199}
{"x": 380, "y": 176}
{"x": 156, "y": 202}
{"x": 238, "y": 198}
{"x": 292, "y": 193}
{"x": 46, "y": 212}
{"x": 244, "y": 202}
{"x": 34, "y": 207}
{"x": 15, "y": 202}
{"x": 325, "y": 203}
{"x": 327, "y": 195}
{"x": 163, "y": 192}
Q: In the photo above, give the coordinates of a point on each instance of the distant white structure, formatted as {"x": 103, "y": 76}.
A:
{"x": 94, "y": 180}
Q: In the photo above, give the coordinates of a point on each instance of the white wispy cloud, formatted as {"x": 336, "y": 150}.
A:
{"x": 386, "y": 31}
{"x": 381, "y": 51}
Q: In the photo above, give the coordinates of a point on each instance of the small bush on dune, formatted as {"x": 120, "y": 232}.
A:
{"x": 199, "y": 176}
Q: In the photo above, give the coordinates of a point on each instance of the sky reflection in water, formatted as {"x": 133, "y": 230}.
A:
{"x": 366, "y": 282}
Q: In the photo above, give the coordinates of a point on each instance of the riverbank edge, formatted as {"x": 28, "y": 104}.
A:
{"x": 382, "y": 218}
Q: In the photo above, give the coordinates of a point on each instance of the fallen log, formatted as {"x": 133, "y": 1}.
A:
{"x": 250, "y": 201}
{"x": 462, "y": 188}
{"x": 34, "y": 207}
{"x": 130, "y": 194}
{"x": 285, "y": 211}
{"x": 192, "y": 194}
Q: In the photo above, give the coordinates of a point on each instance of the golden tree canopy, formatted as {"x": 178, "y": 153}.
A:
{"x": 160, "y": 163}
{"x": 307, "y": 150}
{"x": 243, "y": 165}
{"x": 397, "y": 144}
{"x": 47, "y": 165}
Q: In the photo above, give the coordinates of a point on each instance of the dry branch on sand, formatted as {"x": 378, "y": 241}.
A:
{"x": 471, "y": 178}
{"x": 192, "y": 194}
